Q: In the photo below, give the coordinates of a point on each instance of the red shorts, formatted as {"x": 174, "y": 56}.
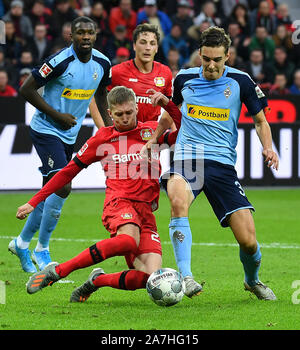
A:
{"x": 120, "y": 212}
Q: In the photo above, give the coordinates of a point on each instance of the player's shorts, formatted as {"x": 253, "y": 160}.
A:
{"x": 121, "y": 211}
{"x": 218, "y": 181}
{"x": 53, "y": 152}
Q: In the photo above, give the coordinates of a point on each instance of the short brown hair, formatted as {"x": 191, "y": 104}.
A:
{"x": 144, "y": 28}
{"x": 119, "y": 95}
{"x": 215, "y": 37}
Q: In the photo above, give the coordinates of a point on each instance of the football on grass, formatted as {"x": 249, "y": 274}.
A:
{"x": 165, "y": 287}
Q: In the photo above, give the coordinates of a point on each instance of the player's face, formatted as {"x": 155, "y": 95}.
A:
{"x": 84, "y": 37}
{"x": 124, "y": 116}
{"x": 213, "y": 61}
{"x": 146, "y": 47}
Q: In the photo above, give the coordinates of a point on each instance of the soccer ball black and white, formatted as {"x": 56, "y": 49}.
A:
{"x": 165, "y": 287}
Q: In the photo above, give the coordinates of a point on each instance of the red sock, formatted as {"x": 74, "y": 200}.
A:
{"x": 116, "y": 246}
{"x": 128, "y": 280}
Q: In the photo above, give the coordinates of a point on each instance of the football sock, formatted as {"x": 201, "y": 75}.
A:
{"x": 128, "y": 280}
{"x": 31, "y": 226}
{"x": 251, "y": 265}
{"x": 51, "y": 214}
{"x": 181, "y": 237}
{"x": 117, "y": 246}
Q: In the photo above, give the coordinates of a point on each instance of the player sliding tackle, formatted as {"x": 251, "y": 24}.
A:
{"x": 132, "y": 193}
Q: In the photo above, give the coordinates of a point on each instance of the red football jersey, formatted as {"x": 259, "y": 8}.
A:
{"x": 128, "y": 175}
{"x": 159, "y": 79}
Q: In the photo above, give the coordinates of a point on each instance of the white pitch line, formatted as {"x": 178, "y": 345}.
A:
{"x": 273, "y": 245}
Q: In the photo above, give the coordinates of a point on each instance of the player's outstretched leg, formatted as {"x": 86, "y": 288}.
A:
{"x": 82, "y": 293}
{"x": 126, "y": 280}
{"x": 43, "y": 278}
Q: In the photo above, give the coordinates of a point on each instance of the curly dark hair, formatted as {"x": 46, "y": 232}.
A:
{"x": 215, "y": 37}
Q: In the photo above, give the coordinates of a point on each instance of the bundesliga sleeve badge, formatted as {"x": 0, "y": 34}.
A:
{"x": 45, "y": 70}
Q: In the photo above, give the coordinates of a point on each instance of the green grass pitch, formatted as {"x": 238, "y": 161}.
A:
{"x": 215, "y": 260}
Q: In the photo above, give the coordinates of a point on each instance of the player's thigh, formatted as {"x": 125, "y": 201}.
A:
{"x": 131, "y": 230}
{"x": 62, "y": 192}
{"x": 148, "y": 262}
{"x": 180, "y": 195}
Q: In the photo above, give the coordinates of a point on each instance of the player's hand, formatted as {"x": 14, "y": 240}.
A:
{"x": 271, "y": 158}
{"x": 66, "y": 120}
{"x": 157, "y": 98}
{"x": 24, "y": 210}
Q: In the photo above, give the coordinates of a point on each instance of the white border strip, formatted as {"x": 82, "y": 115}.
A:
{"x": 262, "y": 245}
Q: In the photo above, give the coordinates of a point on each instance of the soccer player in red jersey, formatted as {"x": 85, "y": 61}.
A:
{"x": 132, "y": 193}
{"x": 143, "y": 73}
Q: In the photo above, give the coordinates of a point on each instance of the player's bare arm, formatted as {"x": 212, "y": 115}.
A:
{"x": 265, "y": 136}
{"x": 29, "y": 91}
{"x": 101, "y": 101}
{"x": 95, "y": 114}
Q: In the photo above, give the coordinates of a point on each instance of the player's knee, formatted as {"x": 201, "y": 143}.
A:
{"x": 179, "y": 206}
{"x": 249, "y": 244}
{"x": 64, "y": 191}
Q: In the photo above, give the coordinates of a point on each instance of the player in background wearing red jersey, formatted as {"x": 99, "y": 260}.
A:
{"x": 132, "y": 193}
{"x": 143, "y": 73}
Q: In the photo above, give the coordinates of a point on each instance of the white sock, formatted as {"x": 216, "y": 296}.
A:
{"x": 39, "y": 247}
{"x": 22, "y": 244}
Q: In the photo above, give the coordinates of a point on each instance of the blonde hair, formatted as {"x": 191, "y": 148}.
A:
{"x": 119, "y": 95}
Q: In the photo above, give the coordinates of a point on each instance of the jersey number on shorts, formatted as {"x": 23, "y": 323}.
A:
{"x": 240, "y": 187}
{"x": 155, "y": 237}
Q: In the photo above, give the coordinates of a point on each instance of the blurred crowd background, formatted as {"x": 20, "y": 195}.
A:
{"x": 261, "y": 31}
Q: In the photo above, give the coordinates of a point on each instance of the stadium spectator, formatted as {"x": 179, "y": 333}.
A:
{"x": 208, "y": 14}
{"x": 234, "y": 60}
{"x": 65, "y": 39}
{"x": 24, "y": 74}
{"x": 194, "y": 34}
{"x": 122, "y": 55}
{"x": 77, "y": 70}
{"x": 6, "y": 90}
{"x": 151, "y": 14}
{"x": 10, "y": 69}
{"x": 63, "y": 12}
{"x": 22, "y": 23}
{"x": 123, "y": 15}
{"x": 183, "y": 17}
{"x": 175, "y": 40}
{"x": 13, "y": 44}
{"x": 239, "y": 15}
{"x": 295, "y": 88}
{"x": 99, "y": 16}
{"x": 194, "y": 61}
{"x": 283, "y": 16}
{"x": 39, "y": 13}
{"x": 279, "y": 88}
{"x": 133, "y": 199}
{"x": 282, "y": 38}
{"x": 283, "y": 65}
{"x": 39, "y": 45}
{"x": 118, "y": 40}
{"x": 26, "y": 60}
{"x": 262, "y": 41}
{"x": 263, "y": 17}
{"x": 173, "y": 61}
{"x": 238, "y": 39}
{"x": 228, "y": 6}
{"x": 259, "y": 71}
